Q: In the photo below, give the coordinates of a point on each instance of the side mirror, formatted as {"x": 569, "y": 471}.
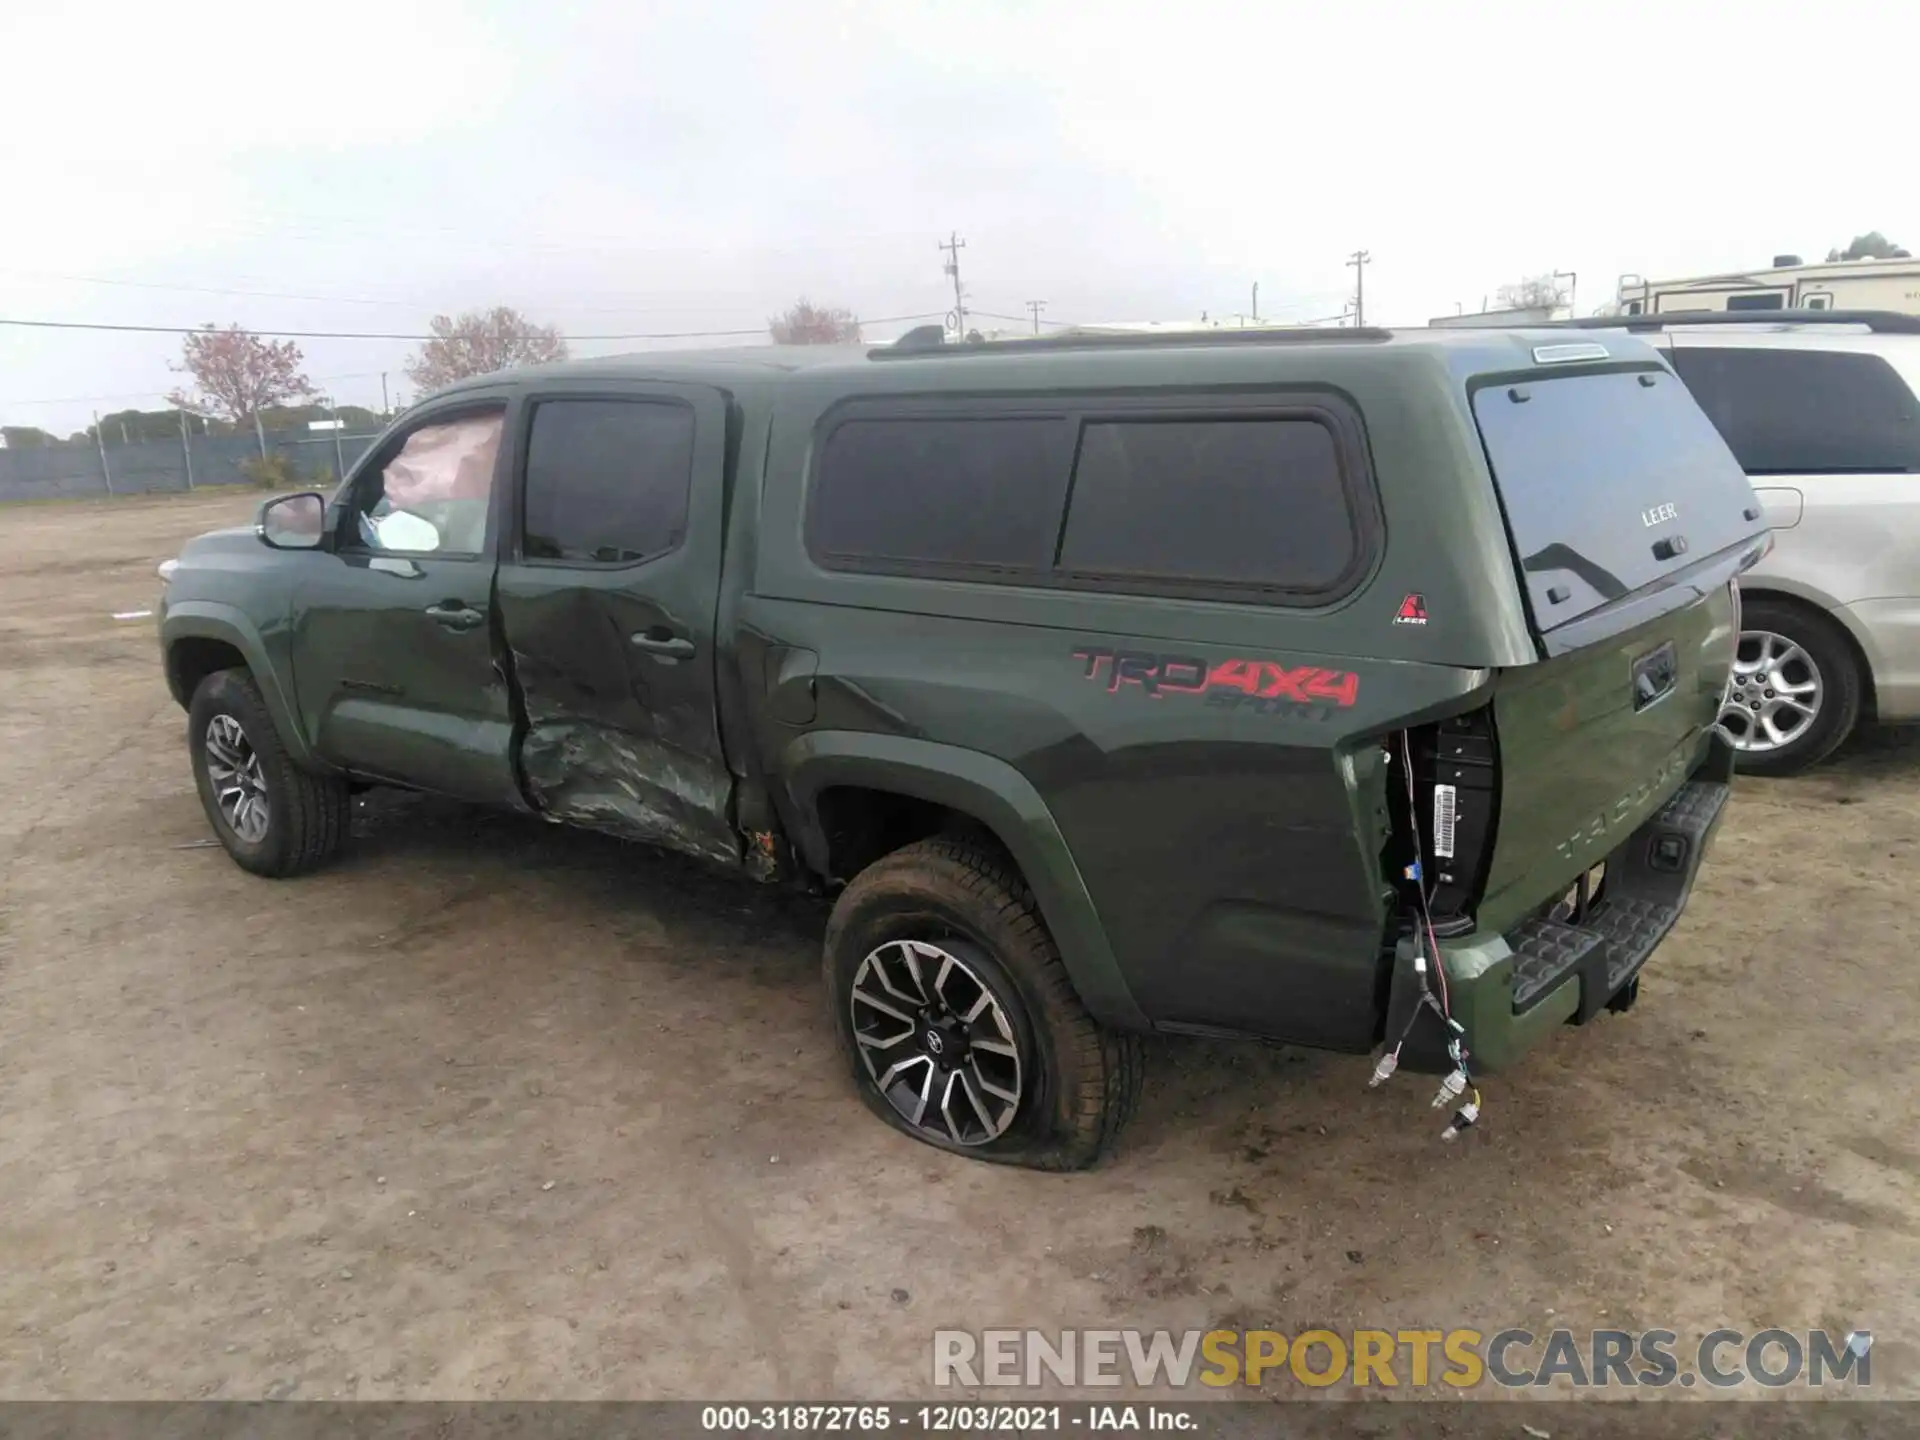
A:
{"x": 293, "y": 522}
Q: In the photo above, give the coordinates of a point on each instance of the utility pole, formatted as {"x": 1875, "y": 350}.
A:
{"x": 386, "y": 410}
{"x": 339, "y": 460}
{"x": 100, "y": 437}
{"x": 1573, "y": 290}
{"x": 1035, "y": 307}
{"x": 186, "y": 448}
{"x": 1361, "y": 259}
{"x": 1256, "y": 302}
{"x": 952, "y": 247}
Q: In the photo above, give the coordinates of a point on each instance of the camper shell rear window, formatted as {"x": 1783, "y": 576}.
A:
{"x": 1610, "y": 481}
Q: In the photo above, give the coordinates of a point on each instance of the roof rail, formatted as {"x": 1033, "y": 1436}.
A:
{"x": 1881, "y": 322}
{"x": 914, "y": 343}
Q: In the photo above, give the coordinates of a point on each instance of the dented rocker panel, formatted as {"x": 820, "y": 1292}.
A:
{"x": 628, "y": 785}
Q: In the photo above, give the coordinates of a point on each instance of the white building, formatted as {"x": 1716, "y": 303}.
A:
{"x": 1495, "y": 319}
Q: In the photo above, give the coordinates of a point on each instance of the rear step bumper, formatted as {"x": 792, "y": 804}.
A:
{"x": 1647, "y": 883}
{"x": 1509, "y": 991}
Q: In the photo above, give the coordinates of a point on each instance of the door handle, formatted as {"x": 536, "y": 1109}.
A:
{"x": 661, "y": 641}
{"x": 456, "y": 615}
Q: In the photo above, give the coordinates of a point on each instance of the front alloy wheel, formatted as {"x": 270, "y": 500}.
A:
{"x": 272, "y": 817}
{"x": 239, "y": 787}
{"x": 936, "y": 1041}
{"x": 1774, "y": 698}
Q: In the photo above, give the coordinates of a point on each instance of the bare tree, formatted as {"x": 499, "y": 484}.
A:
{"x": 478, "y": 342}
{"x": 808, "y": 324}
{"x": 1536, "y": 292}
{"x": 236, "y": 375}
{"x": 1870, "y": 246}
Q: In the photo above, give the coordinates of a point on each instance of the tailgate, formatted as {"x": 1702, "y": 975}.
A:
{"x": 1592, "y": 743}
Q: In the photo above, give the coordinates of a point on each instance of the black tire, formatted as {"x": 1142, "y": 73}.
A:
{"x": 308, "y": 815}
{"x": 1832, "y": 654}
{"x": 1079, "y": 1082}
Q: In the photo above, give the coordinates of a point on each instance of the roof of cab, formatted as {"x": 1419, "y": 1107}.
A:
{"x": 1092, "y": 357}
{"x": 720, "y": 367}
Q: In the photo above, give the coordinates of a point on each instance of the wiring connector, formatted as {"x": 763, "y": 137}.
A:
{"x": 1450, "y": 1088}
{"x": 1463, "y": 1119}
{"x": 1383, "y": 1072}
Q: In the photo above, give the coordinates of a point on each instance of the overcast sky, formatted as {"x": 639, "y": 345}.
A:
{"x": 619, "y": 167}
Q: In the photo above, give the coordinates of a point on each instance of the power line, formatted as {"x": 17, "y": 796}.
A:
{"x": 351, "y": 334}
{"x": 1268, "y": 312}
{"x": 563, "y": 307}
{"x": 1306, "y": 302}
{"x": 1344, "y": 315}
{"x": 379, "y": 335}
{"x": 216, "y": 290}
{"x": 356, "y": 229}
{"x": 1019, "y": 319}
{"x": 147, "y": 394}
{"x": 87, "y": 399}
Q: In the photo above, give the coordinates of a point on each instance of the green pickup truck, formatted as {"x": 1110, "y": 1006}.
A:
{"x": 1354, "y": 689}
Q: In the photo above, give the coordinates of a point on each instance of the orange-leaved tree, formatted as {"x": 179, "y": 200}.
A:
{"x": 236, "y": 375}
{"x": 808, "y": 324}
{"x": 478, "y": 342}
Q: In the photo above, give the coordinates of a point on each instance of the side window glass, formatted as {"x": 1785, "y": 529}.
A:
{"x": 432, "y": 495}
{"x": 1236, "y": 502}
{"x": 607, "y": 480}
{"x": 979, "y": 491}
{"x": 1805, "y": 412}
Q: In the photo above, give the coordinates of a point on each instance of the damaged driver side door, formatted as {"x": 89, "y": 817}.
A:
{"x": 607, "y": 597}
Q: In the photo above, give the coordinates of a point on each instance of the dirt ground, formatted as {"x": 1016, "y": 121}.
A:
{"x": 494, "y": 1109}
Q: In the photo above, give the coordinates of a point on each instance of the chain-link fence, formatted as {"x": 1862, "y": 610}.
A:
{"x": 143, "y": 467}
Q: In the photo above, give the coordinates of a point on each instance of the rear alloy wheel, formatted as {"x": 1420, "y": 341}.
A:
{"x": 1795, "y": 692}
{"x": 959, "y": 1022}
{"x": 936, "y": 1041}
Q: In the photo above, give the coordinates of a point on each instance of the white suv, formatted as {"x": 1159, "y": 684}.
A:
{"x": 1822, "y": 408}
